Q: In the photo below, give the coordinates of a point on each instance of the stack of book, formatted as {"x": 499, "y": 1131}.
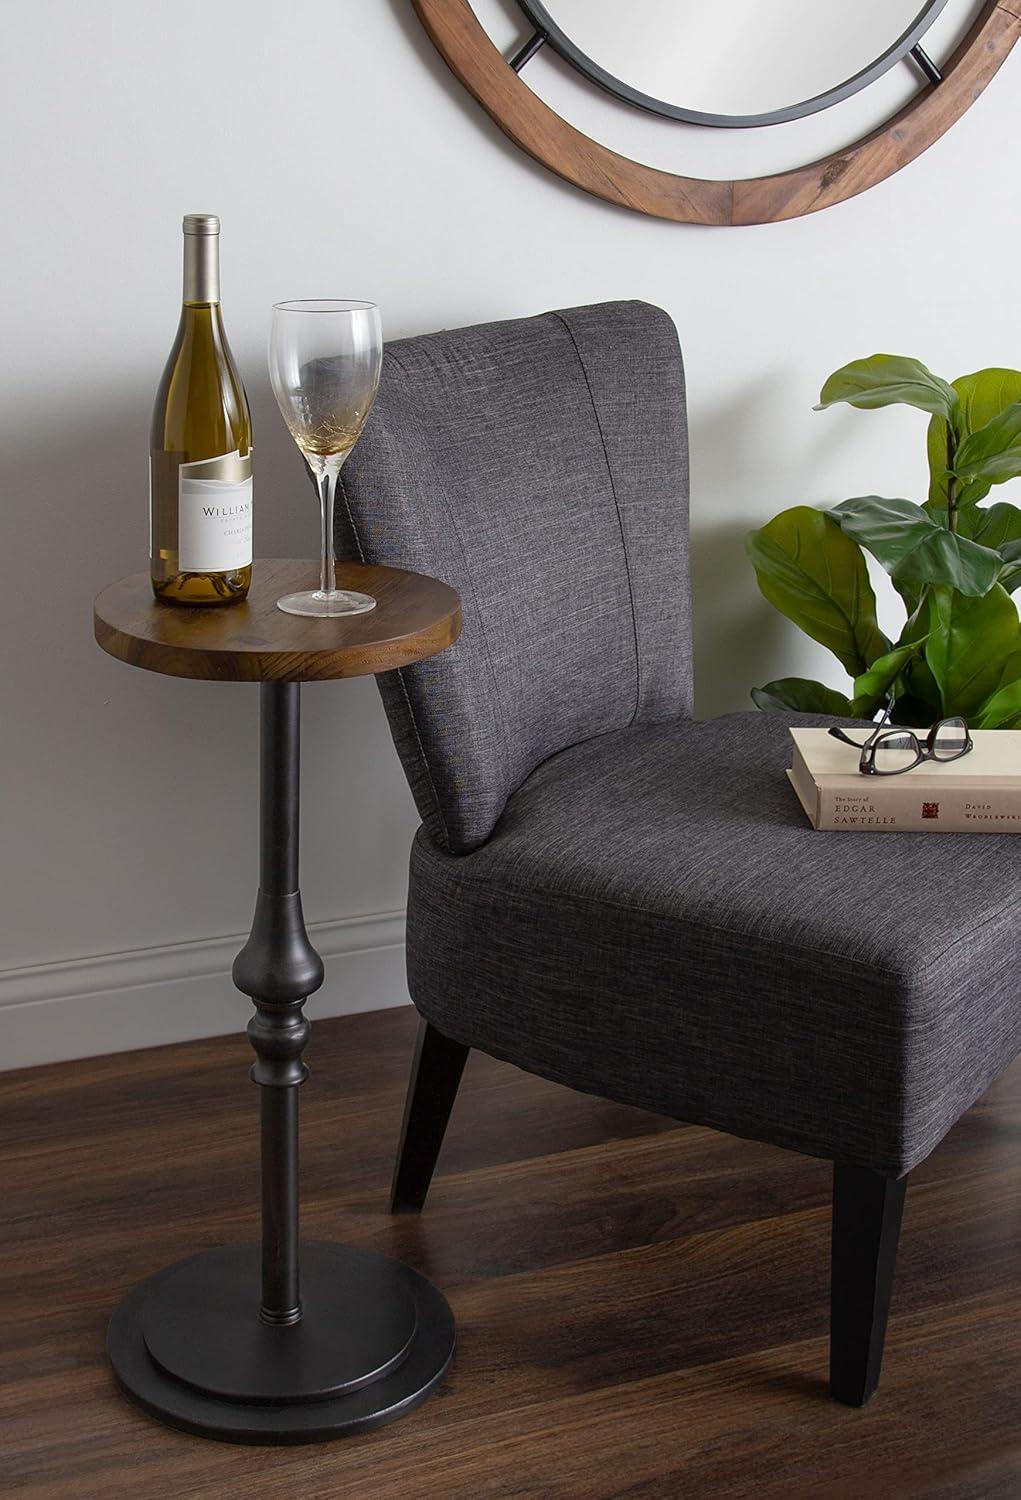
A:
{"x": 980, "y": 793}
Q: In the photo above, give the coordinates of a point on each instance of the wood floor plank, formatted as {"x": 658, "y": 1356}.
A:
{"x": 641, "y": 1305}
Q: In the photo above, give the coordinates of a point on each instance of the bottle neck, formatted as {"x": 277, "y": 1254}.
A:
{"x": 201, "y": 267}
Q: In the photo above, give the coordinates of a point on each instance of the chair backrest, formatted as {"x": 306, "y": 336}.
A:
{"x": 540, "y": 467}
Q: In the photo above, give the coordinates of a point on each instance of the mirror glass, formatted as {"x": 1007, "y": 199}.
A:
{"x": 739, "y": 58}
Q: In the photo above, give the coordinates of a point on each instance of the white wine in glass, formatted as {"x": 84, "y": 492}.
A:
{"x": 324, "y": 362}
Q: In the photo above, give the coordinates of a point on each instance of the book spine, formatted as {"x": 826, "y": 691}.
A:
{"x": 890, "y": 805}
{"x": 802, "y": 781}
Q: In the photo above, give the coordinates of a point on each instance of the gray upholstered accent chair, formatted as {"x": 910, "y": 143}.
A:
{"x": 605, "y": 891}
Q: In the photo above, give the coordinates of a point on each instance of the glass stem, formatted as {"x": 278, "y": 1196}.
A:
{"x": 327, "y": 482}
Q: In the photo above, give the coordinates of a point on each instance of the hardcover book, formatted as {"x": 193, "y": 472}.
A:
{"x": 979, "y": 793}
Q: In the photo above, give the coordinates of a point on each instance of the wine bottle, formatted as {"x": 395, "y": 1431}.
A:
{"x": 200, "y": 450}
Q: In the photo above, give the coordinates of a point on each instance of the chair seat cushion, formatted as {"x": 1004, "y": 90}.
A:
{"x": 653, "y": 920}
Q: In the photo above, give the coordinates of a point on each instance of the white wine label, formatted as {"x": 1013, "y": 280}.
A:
{"x": 215, "y": 514}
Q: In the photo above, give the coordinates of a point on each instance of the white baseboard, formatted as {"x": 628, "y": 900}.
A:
{"x": 148, "y": 996}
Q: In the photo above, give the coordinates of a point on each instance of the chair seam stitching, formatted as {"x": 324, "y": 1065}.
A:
{"x": 400, "y": 678}
{"x": 616, "y": 506}
{"x": 669, "y": 920}
{"x": 964, "y": 936}
{"x": 481, "y": 622}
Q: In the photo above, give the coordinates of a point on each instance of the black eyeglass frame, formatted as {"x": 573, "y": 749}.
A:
{"x": 884, "y": 730}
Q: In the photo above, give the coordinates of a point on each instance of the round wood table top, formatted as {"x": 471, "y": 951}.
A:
{"x": 415, "y": 617}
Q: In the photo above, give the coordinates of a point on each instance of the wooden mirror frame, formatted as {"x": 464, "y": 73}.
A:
{"x": 531, "y": 124}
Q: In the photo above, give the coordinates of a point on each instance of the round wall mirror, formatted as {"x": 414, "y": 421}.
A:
{"x": 746, "y": 63}
{"x": 734, "y": 63}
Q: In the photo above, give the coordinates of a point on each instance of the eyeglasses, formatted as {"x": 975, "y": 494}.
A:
{"x": 891, "y": 752}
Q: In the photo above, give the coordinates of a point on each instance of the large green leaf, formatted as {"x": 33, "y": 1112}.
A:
{"x": 1011, "y": 671}
{"x": 970, "y": 641}
{"x": 1011, "y": 575}
{"x": 983, "y": 395}
{"x": 997, "y": 526}
{"x": 994, "y": 452}
{"x": 1002, "y": 710}
{"x": 992, "y": 525}
{"x": 911, "y": 593}
{"x": 913, "y": 548}
{"x": 802, "y": 695}
{"x": 889, "y": 380}
{"x": 815, "y": 575}
{"x": 918, "y": 695}
{"x": 872, "y": 688}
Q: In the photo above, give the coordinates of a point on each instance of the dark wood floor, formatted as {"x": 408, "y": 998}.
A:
{"x": 641, "y": 1305}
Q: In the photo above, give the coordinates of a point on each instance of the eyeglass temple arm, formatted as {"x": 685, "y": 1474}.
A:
{"x": 838, "y": 734}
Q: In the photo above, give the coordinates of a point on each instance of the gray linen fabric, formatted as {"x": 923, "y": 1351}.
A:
{"x": 605, "y": 892}
{"x": 654, "y": 920}
{"x": 540, "y": 467}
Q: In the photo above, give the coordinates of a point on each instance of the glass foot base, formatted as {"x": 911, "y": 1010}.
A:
{"x": 326, "y": 606}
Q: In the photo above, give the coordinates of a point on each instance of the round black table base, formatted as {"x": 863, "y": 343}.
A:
{"x": 372, "y": 1329}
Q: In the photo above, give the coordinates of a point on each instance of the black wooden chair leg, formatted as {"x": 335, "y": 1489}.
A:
{"x": 435, "y": 1075}
{"x": 867, "y": 1210}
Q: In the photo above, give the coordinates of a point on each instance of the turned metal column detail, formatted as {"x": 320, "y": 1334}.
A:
{"x": 278, "y": 969}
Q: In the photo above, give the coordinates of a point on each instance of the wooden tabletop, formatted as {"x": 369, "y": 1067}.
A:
{"x": 415, "y": 617}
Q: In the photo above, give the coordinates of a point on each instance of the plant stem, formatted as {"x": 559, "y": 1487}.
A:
{"x": 951, "y": 481}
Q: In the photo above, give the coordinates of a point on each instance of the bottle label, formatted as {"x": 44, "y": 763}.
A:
{"x": 214, "y": 514}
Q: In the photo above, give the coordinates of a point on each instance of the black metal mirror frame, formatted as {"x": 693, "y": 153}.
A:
{"x": 549, "y": 30}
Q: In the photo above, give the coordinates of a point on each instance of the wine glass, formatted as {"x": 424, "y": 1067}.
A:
{"x": 324, "y": 361}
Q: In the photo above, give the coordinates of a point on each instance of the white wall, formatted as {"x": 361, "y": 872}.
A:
{"x": 343, "y": 159}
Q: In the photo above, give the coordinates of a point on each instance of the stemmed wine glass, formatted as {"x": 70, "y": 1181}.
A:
{"x": 324, "y": 361}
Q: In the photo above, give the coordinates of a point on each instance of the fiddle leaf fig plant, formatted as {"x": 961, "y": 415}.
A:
{"x": 954, "y": 562}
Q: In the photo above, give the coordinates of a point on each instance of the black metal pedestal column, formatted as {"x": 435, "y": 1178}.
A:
{"x": 281, "y": 1343}
{"x": 278, "y": 969}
